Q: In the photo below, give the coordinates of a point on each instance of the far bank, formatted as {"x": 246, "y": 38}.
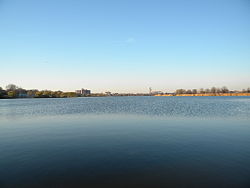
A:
{"x": 207, "y": 94}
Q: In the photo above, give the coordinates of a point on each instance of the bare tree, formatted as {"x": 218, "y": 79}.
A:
{"x": 194, "y": 91}
{"x": 218, "y": 90}
{"x": 201, "y": 91}
{"x": 207, "y": 91}
{"x": 180, "y": 91}
{"x": 224, "y": 89}
{"x": 213, "y": 90}
{"x": 11, "y": 87}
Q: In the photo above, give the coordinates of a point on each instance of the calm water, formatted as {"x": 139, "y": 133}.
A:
{"x": 125, "y": 142}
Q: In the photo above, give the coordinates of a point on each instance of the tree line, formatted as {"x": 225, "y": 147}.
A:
{"x": 212, "y": 90}
{"x": 13, "y": 91}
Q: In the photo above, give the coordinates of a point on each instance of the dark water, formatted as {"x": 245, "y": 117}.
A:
{"x": 125, "y": 142}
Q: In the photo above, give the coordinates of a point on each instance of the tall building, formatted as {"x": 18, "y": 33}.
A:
{"x": 150, "y": 90}
{"x": 86, "y": 92}
{"x": 83, "y": 92}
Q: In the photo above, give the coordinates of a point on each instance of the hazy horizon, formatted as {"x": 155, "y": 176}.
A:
{"x": 125, "y": 46}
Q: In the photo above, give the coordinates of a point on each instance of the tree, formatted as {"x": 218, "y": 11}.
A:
{"x": 38, "y": 94}
{"x": 180, "y": 91}
{"x": 46, "y": 93}
{"x": 201, "y": 91}
{"x": 194, "y": 91}
{"x": 1, "y": 92}
{"x": 31, "y": 93}
{"x": 207, "y": 91}
{"x": 11, "y": 87}
{"x": 213, "y": 90}
{"x": 224, "y": 89}
{"x": 72, "y": 94}
{"x": 57, "y": 93}
{"x": 63, "y": 95}
{"x": 218, "y": 90}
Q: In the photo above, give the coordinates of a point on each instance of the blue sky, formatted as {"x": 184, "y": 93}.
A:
{"x": 125, "y": 45}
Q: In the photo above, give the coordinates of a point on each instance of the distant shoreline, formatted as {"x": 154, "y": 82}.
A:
{"x": 12, "y": 92}
{"x": 205, "y": 94}
{"x": 163, "y": 95}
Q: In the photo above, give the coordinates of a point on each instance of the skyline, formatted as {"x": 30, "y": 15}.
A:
{"x": 202, "y": 90}
{"x": 125, "y": 47}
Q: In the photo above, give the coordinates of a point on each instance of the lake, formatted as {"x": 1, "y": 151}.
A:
{"x": 125, "y": 142}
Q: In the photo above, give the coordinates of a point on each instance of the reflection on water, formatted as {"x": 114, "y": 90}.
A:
{"x": 125, "y": 142}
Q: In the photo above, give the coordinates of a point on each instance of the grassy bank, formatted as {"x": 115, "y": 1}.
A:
{"x": 208, "y": 94}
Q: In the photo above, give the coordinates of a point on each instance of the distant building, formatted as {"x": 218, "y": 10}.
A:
{"x": 156, "y": 92}
{"x": 108, "y": 93}
{"x": 83, "y": 92}
{"x": 86, "y": 92}
{"x": 78, "y": 91}
{"x": 22, "y": 95}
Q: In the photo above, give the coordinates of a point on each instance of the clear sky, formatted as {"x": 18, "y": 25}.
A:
{"x": 125, "y": 45}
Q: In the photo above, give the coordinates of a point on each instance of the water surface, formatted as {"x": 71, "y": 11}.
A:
{"x": 125, "y": 142}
